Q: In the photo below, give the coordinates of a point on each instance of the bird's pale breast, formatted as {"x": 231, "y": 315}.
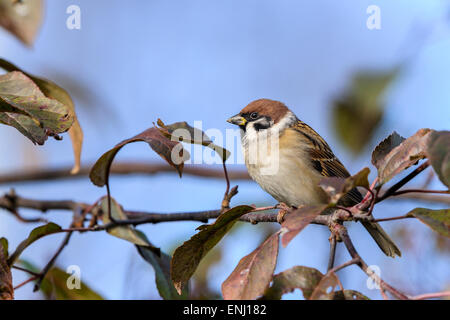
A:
{"x": 286, "y": 174}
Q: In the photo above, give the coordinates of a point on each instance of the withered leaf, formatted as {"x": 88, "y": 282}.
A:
{"x": 182, "y": 131}
{"x": 187, "y": 257}
{"x": 21, "y": 18}
{"x": 344, "y": 295}
{"x": 53, "y": 91}
{"x": 386, "y": 146}
{"x": 298, "y": 277}
{"x": 438, "y": 151}
{"x": 173, "y": 152}
{"x": 391, "y": 162}
{"x": 253, "y": 274}
{"x": 297, "y": 220}
{"x": 330, "y": 280}
{"x": 438, "y": 220}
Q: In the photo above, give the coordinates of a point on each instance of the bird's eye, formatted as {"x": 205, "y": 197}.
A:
{"x": 254, "y": 115}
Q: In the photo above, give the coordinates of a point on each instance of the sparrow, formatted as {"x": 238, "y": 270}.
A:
{"x": 288, "y": 159}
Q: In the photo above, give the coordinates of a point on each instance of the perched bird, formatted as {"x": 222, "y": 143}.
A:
{"x": 287, "y": 158}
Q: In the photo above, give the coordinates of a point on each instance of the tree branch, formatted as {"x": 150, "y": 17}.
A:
{"x": 341, "y": 231}
{"x": 119, "y": 168}
{"x": 404, "y": 181}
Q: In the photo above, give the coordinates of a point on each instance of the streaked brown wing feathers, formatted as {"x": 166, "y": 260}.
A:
{"x": 324, "y": 160}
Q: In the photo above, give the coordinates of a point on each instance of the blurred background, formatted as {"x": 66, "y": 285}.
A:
{"x": 133, "y": 62}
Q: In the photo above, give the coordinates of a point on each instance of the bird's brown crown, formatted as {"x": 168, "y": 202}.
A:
{"x": 276, "y": 110}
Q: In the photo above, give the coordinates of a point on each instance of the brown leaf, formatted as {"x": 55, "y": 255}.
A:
{"x": 330, "y": 280}
{"x": 182, "y": 131}
{"x": 254, "y": 272}
{"x": 298, "y": 277}
{"x": 337, "y": 187}
{"x": 297, "y": 220}
{"x": 438, "y": 151}
{"x": 172, "y": 152}
{"x": 187, "y": 257}
{"x": 6, "y": 286}
{"x": 391, "y": 162}
{"x": 386, "y": 146}
{"x": 21, "y": 18}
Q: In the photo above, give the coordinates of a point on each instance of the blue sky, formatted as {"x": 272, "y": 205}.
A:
{"x": 134, "y": 61}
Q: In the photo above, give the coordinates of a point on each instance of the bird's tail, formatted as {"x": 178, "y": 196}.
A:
{"x": 382, "y": 239}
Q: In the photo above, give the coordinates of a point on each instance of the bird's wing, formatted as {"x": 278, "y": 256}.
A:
{"x": 324, "y": 160}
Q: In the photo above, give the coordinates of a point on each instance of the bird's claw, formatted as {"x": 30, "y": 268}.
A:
{"x": 284, "y": 209}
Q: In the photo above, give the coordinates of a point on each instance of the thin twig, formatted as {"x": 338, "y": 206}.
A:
{"x": 404, "y": 181}
{"x": 344, "y": 265}
{"x": 25, "y": 270}
{"x": 397, "y": 193}
{"x": 332, "y": 252}
{"x": 394, "y": 218}
{"x": 25, "y": 282}
{"x": 342, "y": 232}
{"x": 118, "y": 168}
{"x": 50, "y": 264}
{"x": 431, "y": 295}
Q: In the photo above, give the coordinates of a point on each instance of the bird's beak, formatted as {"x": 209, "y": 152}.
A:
{"x": 237, "y": 120}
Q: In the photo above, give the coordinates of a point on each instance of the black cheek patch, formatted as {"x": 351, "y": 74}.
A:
{"x": 263, "y": 125}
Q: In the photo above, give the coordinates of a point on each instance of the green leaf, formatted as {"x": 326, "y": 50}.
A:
{"x": 391, "y": 161}
{"x": 125, "y": 232}
{"x": 6, "y": 286}
{"x": 252, "y": 276}
{"x": 21, "y": 18}
{"x": 359, "y": 110}
{"x": 172, "y": 152}
{"x": 298, "y": 277}
{"x": 53, "y": 91}
{"x": 438, "y": 220}
{"x": 54, "y": 286}
{"x": 187, "y": 257}
{"x": 297, "y": 220}
{"x": 182, "y": 131}
{"x": 161, "y": 266}
{"x": 35, "y": 234}
{"x": 438, "y": 151}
